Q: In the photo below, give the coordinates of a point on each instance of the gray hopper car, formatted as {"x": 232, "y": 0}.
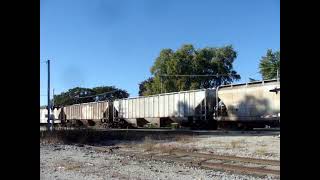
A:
{"x": 90, "y": 114}
{"x": 246, "y": 105}
{"x": 254, "y": 104}
{"x": 164, "y": 109}
{"x": 54, "y": 116}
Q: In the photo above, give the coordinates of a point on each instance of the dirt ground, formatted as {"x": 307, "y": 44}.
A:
{"x": 60, "y": 161}
{"x": 253, "y": 146}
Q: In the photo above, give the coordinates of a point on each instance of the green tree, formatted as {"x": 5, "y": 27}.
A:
{"x": 110, "y": 93}
{"x": 189, "y": 61}
{"x": 269, "y": 65}
{"x": 84, "y": 95}
{"x": 143, "y": 87}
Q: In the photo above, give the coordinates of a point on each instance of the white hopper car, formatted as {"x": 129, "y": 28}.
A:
{"x": 53, "y": 113}
{"x": 253, "y": 104}
{"x": 162, "y": 109}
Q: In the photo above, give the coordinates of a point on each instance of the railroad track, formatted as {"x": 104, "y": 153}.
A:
{"x": 167, "y": 130}
{"x": 241, "y": 165}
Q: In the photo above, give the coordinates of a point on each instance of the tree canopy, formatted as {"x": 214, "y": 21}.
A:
{"x": 208, "y": 62}
{"x": 143, "y": 89}
{"x": 84, "y": 95}
{"x": 269, "y": 65}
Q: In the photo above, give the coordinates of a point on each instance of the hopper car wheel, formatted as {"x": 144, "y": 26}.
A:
{"x": 226, "y": 125}
{"x": 68, "y": 123}
{"x": 107, "y": 125}
{"x": 77, "y": 124}
{"x": 244, "y": 127}
{"x": 247, "y": 127}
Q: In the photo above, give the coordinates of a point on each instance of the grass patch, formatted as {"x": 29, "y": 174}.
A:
{"x": 72, "y": 167}
{"x": 69, "y": 166}
{"x": 236, "y": 144}
{"x": 174, "y": 125}
{"x": 147, "y": 144}
{"x": 262, "y": 151}
{"x": 167, "y": 149}
{"x": 184, "y": 139}
{"x": 151, "y": 125}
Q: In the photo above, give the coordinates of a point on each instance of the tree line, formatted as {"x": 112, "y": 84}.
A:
{"x": 83, "y": 95}
{"x": 189, "y": 68}
{"x": 186, "y": 68}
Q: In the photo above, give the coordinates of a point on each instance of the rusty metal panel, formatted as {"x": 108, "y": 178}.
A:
{"x": 86, "y": 111}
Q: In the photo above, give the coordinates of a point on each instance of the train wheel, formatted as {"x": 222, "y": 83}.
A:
{"x": 248, "y": 128}
{"x": 78, "y": 123}
{"x": 213, "y": 125}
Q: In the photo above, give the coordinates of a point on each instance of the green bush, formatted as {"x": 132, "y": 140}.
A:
{"x": 174, "y": 125}
{"x": 151, "y": 125}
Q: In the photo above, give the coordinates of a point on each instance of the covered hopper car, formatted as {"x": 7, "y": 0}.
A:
{"x": 246, "y": 105}
{"x": 185, "y": 107}
{"x": 54, "y": 115}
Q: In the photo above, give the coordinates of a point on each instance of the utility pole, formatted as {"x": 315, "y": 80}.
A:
{"x": 278, "y": 74}
{"x": 52, "y": 105}
{"x": 49, "y": 124}
{"x": 53, "y": 97}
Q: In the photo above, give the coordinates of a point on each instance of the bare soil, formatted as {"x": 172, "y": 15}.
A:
{"x": 107, "y": 160}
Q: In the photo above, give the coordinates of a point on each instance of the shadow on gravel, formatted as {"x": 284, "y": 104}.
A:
{"x": 114, "y": 137}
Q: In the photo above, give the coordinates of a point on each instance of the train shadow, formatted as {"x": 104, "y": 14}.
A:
{"x": 252, "y": 112}
{"x": 250, "y": 106}
{"x": 116, "y": 136}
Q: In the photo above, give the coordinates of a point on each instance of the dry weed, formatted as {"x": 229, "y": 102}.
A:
{"x": 236, "y": 144}
{"x": 147, "y": 144}
{"x": 261, "y": 151}
{"x": 69, "y": 166}
{"x": 51, "y": 139}
{"x": 184, "y": 139}
{"x": 167, "y": 149}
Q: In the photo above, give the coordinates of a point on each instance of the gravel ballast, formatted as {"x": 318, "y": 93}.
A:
{"x": 74, "y": 162}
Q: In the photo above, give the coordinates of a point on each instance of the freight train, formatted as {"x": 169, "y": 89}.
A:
{"x": 245, "y": 106}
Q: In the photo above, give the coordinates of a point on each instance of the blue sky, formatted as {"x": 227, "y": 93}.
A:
{"x": 115, "y": 42}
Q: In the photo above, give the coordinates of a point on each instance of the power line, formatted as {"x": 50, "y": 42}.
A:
{"x": 44, "y": 61}
{"x": 201, "y": 75}
{"x": 50, "y": 125}
{"x": 253, "y": 73}
{"x": 97, "y": 94}
{"x": 192, "y": 75}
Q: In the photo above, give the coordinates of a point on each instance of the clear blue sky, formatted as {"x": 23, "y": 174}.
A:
{"x": 115, "y": 42}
